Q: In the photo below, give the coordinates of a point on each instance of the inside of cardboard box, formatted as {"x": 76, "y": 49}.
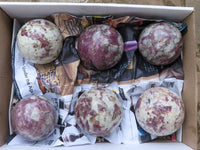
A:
{"x": 41, "y": 10}
{"x": 189, "y": 127}
{"x": 106, "y": 146}
{"x": 5, "y": 73}
{"x": 190, "y": 82}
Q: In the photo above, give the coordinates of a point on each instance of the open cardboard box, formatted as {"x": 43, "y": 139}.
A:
{"x": 24, "y": 11}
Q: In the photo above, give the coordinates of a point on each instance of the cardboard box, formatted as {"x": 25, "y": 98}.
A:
{"x": 24, "y": 11}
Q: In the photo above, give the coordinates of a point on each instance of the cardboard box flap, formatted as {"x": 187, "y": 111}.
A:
{"x": 16, "y": 10}
{"x": 5, "y": 72}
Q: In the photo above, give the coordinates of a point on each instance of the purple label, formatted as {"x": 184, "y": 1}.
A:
{"x": 130, "y": 45}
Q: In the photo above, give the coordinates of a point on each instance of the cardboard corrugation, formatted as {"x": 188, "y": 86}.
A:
{"x": 5, "y": 73}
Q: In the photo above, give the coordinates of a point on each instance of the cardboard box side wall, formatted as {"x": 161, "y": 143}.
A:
{"x": 5, "y": 73}
{"x": 108, "y": 146}
{"x": 190, "y": 86}
{"x": 17, "y": 9}
{"x": 190, "y": 136}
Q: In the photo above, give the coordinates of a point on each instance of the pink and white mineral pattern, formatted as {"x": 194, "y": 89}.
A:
{"x": 100, "y": 47}
{"x": 160, "y": 111}
{"x": 34, "y": 118}
{"x": 39, "y": 41}
{"x": 160, "y": 43}
{"x": 98, "y": 111}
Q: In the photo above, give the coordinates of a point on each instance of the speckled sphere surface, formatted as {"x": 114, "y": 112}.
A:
{"x": 160, "y": 111}
{"x": 98, "y": 111}
{"x": 34, "y": 118}
{"x": 39, "y": 41}
{"x": 100, "y": 47}
{"x": 160, "y": 43}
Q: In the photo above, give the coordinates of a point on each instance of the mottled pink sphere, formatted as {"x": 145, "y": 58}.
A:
{"x": 98, "y": 111}
{"x": 39, "y": 41}
{"x": 100, "y": 47}
{"x": 160, "y": 111}
{"x": 34, "y": 118}
{"x": 160, "y": 43}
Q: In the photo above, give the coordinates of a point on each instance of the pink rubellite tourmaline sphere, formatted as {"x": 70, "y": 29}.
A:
{"x": 98, "y": 111}
{"x": 100, "y": 47}
{"x": 39, "y": 41}
{"x": 160, "y": 111}
{"x": 160, "y": 43}
{"x": 34, "y": 118}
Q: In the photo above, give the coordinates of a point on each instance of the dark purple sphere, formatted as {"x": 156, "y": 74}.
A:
{"x": 100, "y": 47}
